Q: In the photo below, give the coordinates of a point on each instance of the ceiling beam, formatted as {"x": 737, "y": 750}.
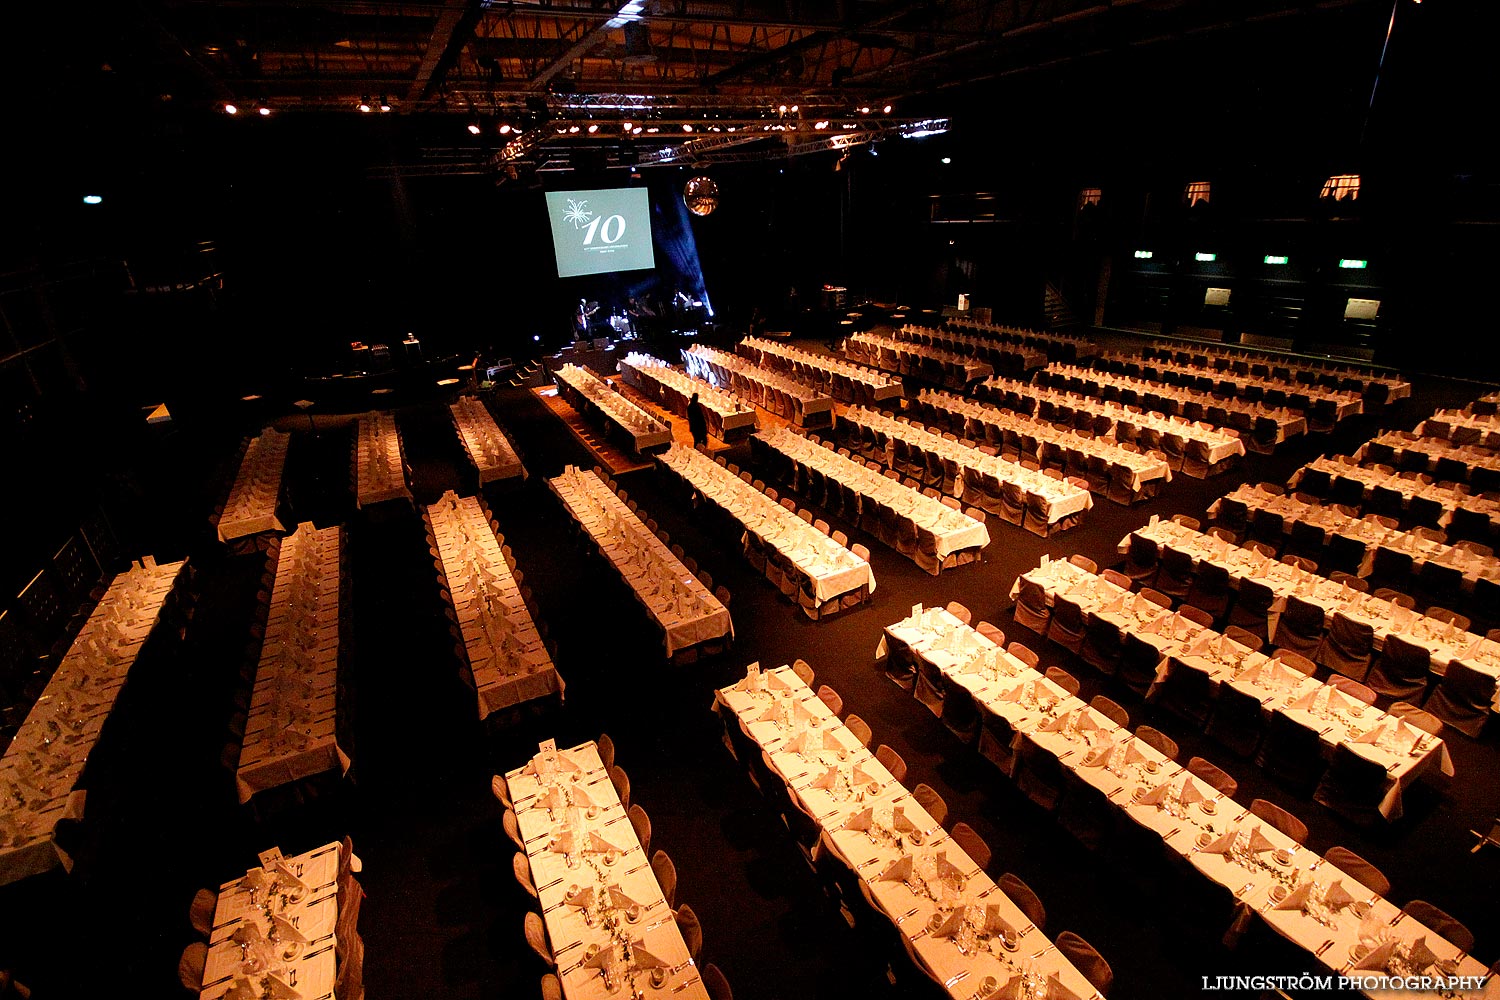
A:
{"x": 586, "y": 42}
{"x": 455, "y": 25}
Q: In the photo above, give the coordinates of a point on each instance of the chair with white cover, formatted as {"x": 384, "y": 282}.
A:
{"x": 201, "y": 912}
{"x": 1211, "y": 774}
{"x": 501, "y": 791}
{"x": 513, "y": 828}
{"x": 691, "y": 929}
{"x": 1347, "y": 648}
{"x": 860, "y": 728}
{"x": 1026, "y": 901}
{"x": 606, "y": 750}
{"x": 973, "y": 845}
{"x": 1445, "y": 926}
{"x": 1111, "y": 710}
{"x": 536, "y": 936}
{"x": 1280, "y": 819}
{"x": 621, "y": 781}
{"x": 892, "y": 762}
{"x": 642, "y": 825}
{"x": 1158, "y": 741}
{"x": 1463, "y": 698}
{"x": 666, "y": 876}
{"x": 1356, "y": 867}
{"x": 715, "y": 983}
{"x": 522, "y": 869}
{"x": 1086, "y": 960}
{"x": 801, "y": 668}
{"x": 1402, "y": 669}
{"x": 551, "y": 987}
{"x": 828, "y": 696}
{"x": 190, "y": 966}
{"x": 928, "y": 798}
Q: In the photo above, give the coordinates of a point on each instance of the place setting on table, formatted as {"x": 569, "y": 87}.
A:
{"x": 274, "y": 930}
{"x": 608, "y": 921}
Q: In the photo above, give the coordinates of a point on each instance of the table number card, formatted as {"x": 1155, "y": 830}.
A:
{"x": 269, "y": 857}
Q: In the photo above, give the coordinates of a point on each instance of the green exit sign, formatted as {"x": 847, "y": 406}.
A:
{"x": 1143, "y": 255}
{"x": 1274, "y": 258}
{"x": 1351, "y": 264}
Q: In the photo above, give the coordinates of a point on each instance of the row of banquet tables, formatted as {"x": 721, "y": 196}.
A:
{"x": 488, "y": 448}
{"x": 803, "y": 404}
{"x": 507, "y": 660}
{"x": 687, "y": 613}
{"x": 1371, "y": 534}
{"x": 841, "y": 379}
{"x": 292, "y": 727}
{"x": 1443, "y": 640}
{"x": 832, "y": 570}
{"x": 250, "y": 507}
{"x": 956, "y": 922}
{"x": 1299, "y": 895}
{"x": 379, "y": 463}
{"x": 1405, "y": 753}
{"x": 592, "y": 396}
{"x": 727, "y": 417}
{"x": 1174, "y": 399}
{"x": 1447, "y": 497}
{"x": 40, "y": 769}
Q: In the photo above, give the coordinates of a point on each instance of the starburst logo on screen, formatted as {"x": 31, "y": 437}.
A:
{"x": 578, "y": 213}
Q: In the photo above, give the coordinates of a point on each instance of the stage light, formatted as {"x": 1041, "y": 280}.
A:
{"x": 473, "y": 129}
{"x": 92, "y": 199}
{"x": 573, "y": 129}
{"x": 687, "y": 128}
{"x": 731, "y": 128}
{"x": 947, "y": 160}
{"x": 384, "y": 104}
{"x": 795, "y": 109}
{"x": 637, "y": 130}
{"x": 230, "y": 109}
{"x": 536, "y": 336}
{"x": 629, "y": 126}
{"x": 781, "y": 110}
{"x": 505, "y": 130}
{"x": 1143, "y": 255}
{"x": 886, "y": 110}
{"x": 821, "y": 124}
{"x": 593, "y": 128}
{"x": 1351, "y": 264}
{"x": 364, "y": 105}
{"x": 1274, "y": 258}
{"x": 864, "y": 110}
{"x": 1205, "y": 258}
{"x": 263, "y": 111}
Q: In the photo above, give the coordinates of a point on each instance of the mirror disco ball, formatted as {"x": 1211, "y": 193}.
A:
{"x": 701, "y": 195}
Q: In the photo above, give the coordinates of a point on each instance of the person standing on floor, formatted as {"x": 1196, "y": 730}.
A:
{"x": 697, "y": 422}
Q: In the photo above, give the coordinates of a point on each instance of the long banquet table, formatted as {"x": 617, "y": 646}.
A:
{"x": 918, "y": 877}
{"x": 1284, "y": 367}
{"x": 1081, "y": 347}
{"x": 687, "y": 613}
{"x": 379, "y": 463}
{"x": 1405, "y": 753}
{"x": 1213, "y": 380}
{"x": 954, "y": 533}
{"x": 1174, "y": 400}
{"x": 487, "y": 446}
{"x": 591, "y": 395}
{"x": 508, "y": 662}
{"x": 1372, "y": 534}
{"x": 984, "y": 421}
{"x": 1063, "y": 499}
{"x": 920, "y": 360}
{"x": 1429, "y": 452}
{"x": 1010, "y": 394}
{"x": 835, "y": 376}
{"x": 291, "y": 729}
{"x": 728, "y": 418}
{"x": 47, "y": 755}
{"x": 1460, "y": 426}
{"x": 832, "y": 571}
{"x": 606, "y": 915}
{"x": 1448, "y": 497}
{"x": 1443, "y": 642}
{"x": 996, "y": 350}
{"x": 279, "y": 921}
{"x": 251, "y": 505}
{"x": 803, "y": 404}
{"x": 1215, "y": 835}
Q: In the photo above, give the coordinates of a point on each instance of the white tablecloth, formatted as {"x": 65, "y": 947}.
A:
{"x": 957, "y": 369}
{"x": 955, "y": 531}
{"x": 1289, "y": 422}
{"x": 1450, "y": 499}
{"x": 684, "y": 609}
{"x": 567, "y": 795}
{"x": 488, "y": 447}
{"x": 49, "y": 750}
{"x": 1444, "y": 425}
{"x": 786, "y": 397}
{"x": 1063, "y": 498}
{"x": 1432, "y": 449}
{"x": 291, "y": 728}
{"x": 833, "y": 569}
{"x": 588, "y": 393}
{"x": 313, "y": 962}
{"x": 251, "y": 506}
{"x": 828, "y": 373}
{"x": 507, "y": 659}
{"x": 379, "y": 463}
{"x": 987, "y": 347}
{"x": 723, "y": 412}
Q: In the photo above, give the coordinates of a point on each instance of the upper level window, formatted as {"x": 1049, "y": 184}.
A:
{"x": 1341, "y": 186}
{"x": 1089, "y": 196}
{"x": 1197, "y": 191}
